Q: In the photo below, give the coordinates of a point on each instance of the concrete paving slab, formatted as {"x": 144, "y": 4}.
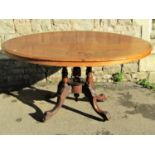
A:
{"x": 132, "y": 110}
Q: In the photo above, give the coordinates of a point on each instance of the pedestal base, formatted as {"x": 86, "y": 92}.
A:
{"x": 76, "y": 86}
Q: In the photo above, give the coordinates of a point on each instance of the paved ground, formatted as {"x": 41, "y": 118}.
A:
{"x": 132, "y": 110}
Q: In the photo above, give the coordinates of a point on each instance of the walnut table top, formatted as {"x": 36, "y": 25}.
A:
{"x": 77, "y": 48}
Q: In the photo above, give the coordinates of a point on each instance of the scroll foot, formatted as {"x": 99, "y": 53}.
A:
{"x": 61, "y": 98}
{"x": 89, "y": 93}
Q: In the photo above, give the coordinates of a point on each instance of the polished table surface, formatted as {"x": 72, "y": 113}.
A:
{"x": 77, "y": 48}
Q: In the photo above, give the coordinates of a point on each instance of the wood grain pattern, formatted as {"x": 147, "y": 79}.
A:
{"x": 71, "y": 63}
{"x": 77, "y": 48}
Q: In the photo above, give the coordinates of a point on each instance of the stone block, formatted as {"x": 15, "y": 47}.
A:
{"x": 30, "y": 70}
{"x": 152, "y": 35}
{"x": 6, "y": 26}
{"x": 152, "y": 77}
{"x": 9, "y": 66}
{"x": 153, "y": 45}
{"x": 1, "y": 37}
{"x": 83, "y": 72}
{"x": 10, "y": 36}
{"x": 98, "y": 79}
{"x": 119, "y": 29}
{"x": 125, "y": 21}
{"x": 0, "y": 44}
{"x": 69, "y": 69}
{"x": 134, "y": 30}
{"x": 26, "y": 76}
{"x": 153, "y": 24}
{"x": 23, "y": 26}
{"x": 97, "y": 23}
{"x": 20, "y": 64}
{"x": 99, "y": 73}
{"x": 3, "y": 82}
{"x": 82, "y": 24}
{"x": 148, "y": 63}
{"x": 127, "y": 77}
{"x": 95, "y": 69}
{"x": 153, "y": 51}
{"x": 130, "y": 67}
{"x": 61, "y": 25}
{"x": 104, "y": 25}
{"x": 14, "y": 78}
{"x": 112, "y": 69}
{"x": 41, "y": 25}
{"x": 112, "y": 22}
{"x": 140, "y": 75}
{"x": 107, "y": 76}
{"x": 40, "y": 69}
{"x": 17, "y": 71}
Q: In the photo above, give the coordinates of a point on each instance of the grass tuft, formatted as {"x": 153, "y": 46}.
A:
{"x": 146, "y": 84}
{"x": 118, "y": 77}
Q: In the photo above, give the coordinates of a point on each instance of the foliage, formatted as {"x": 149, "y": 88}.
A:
{"x": 118, "y": 77}
{"x": 146, "y": 84}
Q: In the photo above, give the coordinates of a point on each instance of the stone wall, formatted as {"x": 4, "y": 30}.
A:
{"x": 15, "y": 72}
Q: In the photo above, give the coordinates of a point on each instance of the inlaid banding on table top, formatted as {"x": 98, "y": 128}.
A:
{"x": 78, "y": 46}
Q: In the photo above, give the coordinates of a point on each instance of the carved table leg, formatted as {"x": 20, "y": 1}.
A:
{"x": 89, "y": 93}
{"x": 60, "y": 101}
{"x": 90, "y": 82}
{"x": 63, "y": 91}
{"x": 76, "y": 86}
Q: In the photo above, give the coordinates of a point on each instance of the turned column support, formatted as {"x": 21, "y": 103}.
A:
{"x": 89, "y": 77}
{"x": 65, "y": 75}
{"x": 76, "y": 82}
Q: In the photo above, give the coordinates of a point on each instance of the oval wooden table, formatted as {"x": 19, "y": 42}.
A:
{"x": 77, "y": 49}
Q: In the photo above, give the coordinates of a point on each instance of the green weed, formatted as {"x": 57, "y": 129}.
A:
{"x": 146, "y": 84}
{"x": 118, "y": 77}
